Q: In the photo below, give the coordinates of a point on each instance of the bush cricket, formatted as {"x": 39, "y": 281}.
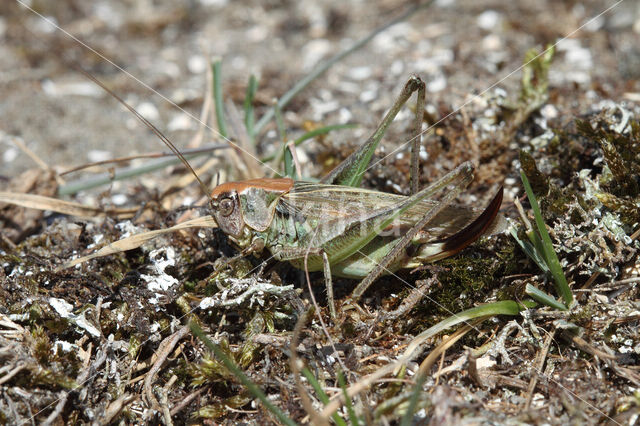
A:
{"x": 336, "y": 227}
{"x": 348, "y": 231}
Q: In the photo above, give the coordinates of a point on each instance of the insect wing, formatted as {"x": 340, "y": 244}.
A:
{"x": 321, "y": 202}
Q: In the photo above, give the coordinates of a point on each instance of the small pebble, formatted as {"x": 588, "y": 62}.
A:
{"x": 489, "y": 19}
{"x": 549, "y": 111}
{"x": 96, "y": 155}
{"x": 119, "y": 199}
{"x": 360, "y": 73}
{"x": 314, "y": 51}
{"x": 148, "y": 111}
{"x": 9, "y": 154}
{"x": 181, "y": 122}
{"x": 197, "y": 64}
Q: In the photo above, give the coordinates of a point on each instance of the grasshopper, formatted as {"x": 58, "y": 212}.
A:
{"x": 347, "y": 231}
{"x": 339, "y": 228}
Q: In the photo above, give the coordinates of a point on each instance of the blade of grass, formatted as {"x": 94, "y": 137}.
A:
{"x": 538, "y": 245}
{"x": 249, "y": 113}
{"x": 289, "y": 164}
{"x": 322, "y": 396}
{"x": 323, "y": 130}
{"x": 543, "y": 297}
{"x": 549, "y": 253}
{"x": 324, "y": 66}
{"x": 216, "y": 66}
{"x": 136, "y": 240}
{"x": 289, "y": 167}
{"x": 40, "y": 202}
{"x": 199, "y": 150}
{"x": 352, "y": 413}
{"x": 407, "y": 419}
{"x": 427, "y": 363}
{"x": 309, "y": 135}
{"x": 76, "y": 186}
{"x": 530, "y": 251}
{"x": 504, "y": 307}
{"x": 245, "y": 148}
{"x": 536, "y": 249}
{"x": 239, "y": 374}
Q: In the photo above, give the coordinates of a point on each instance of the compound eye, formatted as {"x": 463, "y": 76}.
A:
{"x": 226, "y": 206}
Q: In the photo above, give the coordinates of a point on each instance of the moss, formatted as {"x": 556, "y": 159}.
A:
{"x": 514, "y": 291}
{"x": 219, "y": 409}
{"x": 12, "y": 259}
{"x": 183, "y": 303}
{"x": 627, "y": 209}
{"x": 249, "y": 349}
{"x": 35, "y": 313}
{"x": 115, "y": 275}
{"x": 189, "y": 286}
{"x": 134, "y": 346}
{"x": 582, "y": 316}
{"x": 210, "y": 370}
{"x": 48, "y": 378}
{"x": 41, "y": 347}
{"x": 471, "y": 278}
{"x": 558, "y": 203}
{"x": 224, "y": 269}
{"x": 620, "y": 152}
{"x": 539, "y": 182}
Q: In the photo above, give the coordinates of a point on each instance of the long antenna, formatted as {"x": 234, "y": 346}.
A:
{"x": 150, "y": 125}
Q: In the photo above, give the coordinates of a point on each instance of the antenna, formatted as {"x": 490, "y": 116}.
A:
{"x": 155, "y": 130}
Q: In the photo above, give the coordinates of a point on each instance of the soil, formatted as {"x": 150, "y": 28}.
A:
{"x": 105, "y": 341}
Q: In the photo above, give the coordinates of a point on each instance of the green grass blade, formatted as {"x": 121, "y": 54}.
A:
{"x": 285, "y": 152}
{"x": 322, "y": 67}
{"x": 538, "y": 245}
{"x": 310, "y": 135}
{"x": 249, "y": 113}
{"x": 323, "y": 130}
{"x": 322, "y": 396}
{"x": 352, "y": 413}
{"x": 289, "y": 165}
{"x": 543, "y": 297}
{"x": 504, "y": 307}
{"x": 233, "y": 368}
{"x": 84, "y": 184}
{"x": 282, "y": 133}
{"x": 530, "y": 251}
{"x": 407, "y": 419}
{"x": 549, "y": 253}
{"x": 218, "y": 98}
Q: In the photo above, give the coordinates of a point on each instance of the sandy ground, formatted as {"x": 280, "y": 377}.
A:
{"x": 459, "y": 48}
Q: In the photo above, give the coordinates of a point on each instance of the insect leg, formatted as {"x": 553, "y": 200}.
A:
{"x": 464, "y": 172}
{"x": 351, "y": 170}
{"x": 313, "y": 254}
{"x": 329, "y": 285}
{"x": 417, "y": 138}
{"x": 256, "y": 246}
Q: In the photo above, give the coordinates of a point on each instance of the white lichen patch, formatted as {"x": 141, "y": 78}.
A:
{"x": 127, "y": 228}
{"x": 97, "y": 239}
{"x": 63, "y": 346}
{"x": 160, "y": 281}
{"x": 246, "y": 292}
{"x": 65, "y": 310}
